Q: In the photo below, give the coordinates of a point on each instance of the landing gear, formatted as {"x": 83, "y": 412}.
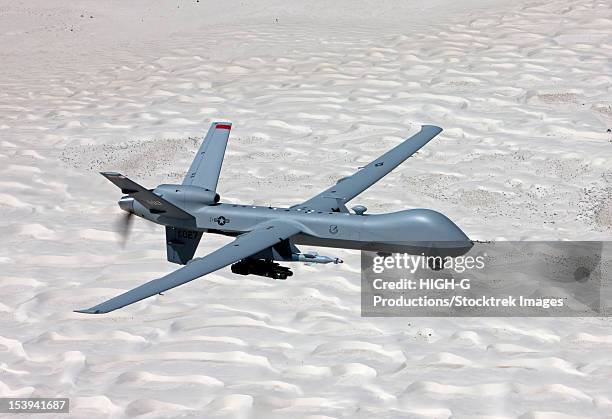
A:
{"x": 261, "y": 267}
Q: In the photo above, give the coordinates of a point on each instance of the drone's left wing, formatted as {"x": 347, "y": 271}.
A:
{"x": 335, "y": 197}
{"x": 263, "y": 236}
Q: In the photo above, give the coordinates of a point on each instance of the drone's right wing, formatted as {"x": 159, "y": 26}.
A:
{"x": 335, "y": 197}
{"x": 263, "y": 236}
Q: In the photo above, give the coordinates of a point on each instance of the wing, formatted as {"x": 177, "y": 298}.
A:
{"x": 335, "y": 197}
{"x": 263, "y": 236}
{"x": 206, "y": 166}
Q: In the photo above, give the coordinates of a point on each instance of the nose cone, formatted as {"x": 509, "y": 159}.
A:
{"x": 415, "y": 231}
{"x": 429, "y": 225}
{"x": 432, "y": 225}
{"x": 126, "y": 203}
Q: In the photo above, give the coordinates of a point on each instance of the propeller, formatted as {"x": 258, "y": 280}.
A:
{"x": 124, "y": 226}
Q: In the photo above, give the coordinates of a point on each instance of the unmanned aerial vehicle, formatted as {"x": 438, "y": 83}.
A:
{"x": 267, "y": 235}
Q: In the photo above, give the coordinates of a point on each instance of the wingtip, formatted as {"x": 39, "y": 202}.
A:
{"x": 107, "y": 174}
{"x": 88, "y": 311}
{"x": 432, "y": 127}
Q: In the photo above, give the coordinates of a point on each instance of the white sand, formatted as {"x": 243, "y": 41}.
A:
{"x": 522, "y": 88}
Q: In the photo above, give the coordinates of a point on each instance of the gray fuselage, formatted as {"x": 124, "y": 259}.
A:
{"x": 414, "y": 231}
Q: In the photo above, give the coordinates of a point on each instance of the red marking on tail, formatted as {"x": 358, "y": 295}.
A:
{"x": 224, "y": 126}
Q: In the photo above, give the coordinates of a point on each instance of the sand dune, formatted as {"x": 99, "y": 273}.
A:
{"x": 523, "y": 90}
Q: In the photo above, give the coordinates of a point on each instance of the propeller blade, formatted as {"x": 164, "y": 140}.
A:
{"x": 124, "y": 226}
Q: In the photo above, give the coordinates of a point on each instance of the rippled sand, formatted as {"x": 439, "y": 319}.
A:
{"x": 522, "y": 89}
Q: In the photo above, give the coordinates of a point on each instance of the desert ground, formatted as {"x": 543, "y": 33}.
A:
{"x": 523, "y": 90}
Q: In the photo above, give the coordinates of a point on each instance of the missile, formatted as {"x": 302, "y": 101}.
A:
{"x": 312, "y": 258}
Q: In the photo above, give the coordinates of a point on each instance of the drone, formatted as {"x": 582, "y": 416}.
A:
{"x": 265, "y": 235}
